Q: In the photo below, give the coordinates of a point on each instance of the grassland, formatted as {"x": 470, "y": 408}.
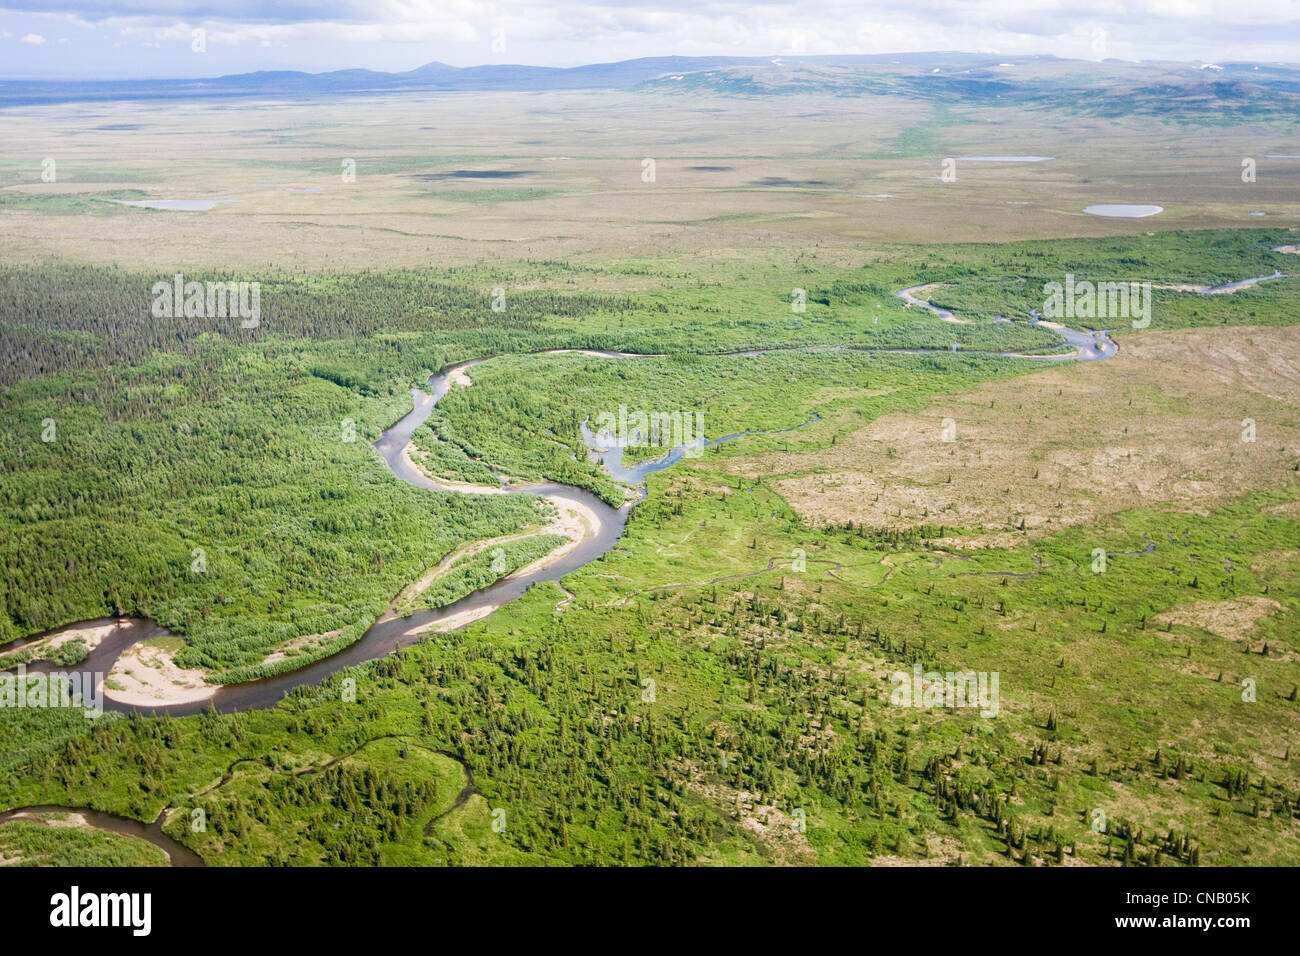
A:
{"x": 787, "y": 178}
{"x": 716, "y": 689}
{"x": 1193, "y": 419}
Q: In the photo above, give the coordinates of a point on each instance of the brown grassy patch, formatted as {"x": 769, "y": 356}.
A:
{"x": 1160, "y": 423}
{"x": 1233, "y": 620}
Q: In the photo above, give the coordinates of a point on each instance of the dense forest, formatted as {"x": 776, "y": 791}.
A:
{"x": 220, "y": 496}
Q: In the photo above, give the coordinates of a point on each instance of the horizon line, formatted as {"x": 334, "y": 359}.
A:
{"x": 1200, "y": 63}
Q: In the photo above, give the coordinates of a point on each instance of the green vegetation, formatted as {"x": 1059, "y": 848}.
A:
{"x": 720, "y": 677}
{"x": 61, "y": 203}
{"x": 54, "y": 840}
{"x": 981, "y": 281}
{"x": 772, "y": 691}
{"x": 472, "y": 572}
{"x": 523, "y": 413}
{"x": 446, "y": 455}
{"x": 71, "y": 652}
{"x": 499, "y": 195}
{"x": 218, "y": 495}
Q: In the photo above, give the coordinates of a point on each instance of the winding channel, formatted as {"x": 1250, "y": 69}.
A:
{"x": 1088, "y": 346}
{"x": 390, "y": 632}
{"x": 177, "y": 853}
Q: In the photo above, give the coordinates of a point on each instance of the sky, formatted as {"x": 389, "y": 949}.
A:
{"x": 191, "y": 38}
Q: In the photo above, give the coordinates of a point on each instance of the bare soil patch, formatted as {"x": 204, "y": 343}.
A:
{"x": 146, "y": 676}
{"x": 92, "y": 634}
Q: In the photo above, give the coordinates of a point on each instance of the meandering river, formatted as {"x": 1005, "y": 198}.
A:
{"x": 391, "y": 632}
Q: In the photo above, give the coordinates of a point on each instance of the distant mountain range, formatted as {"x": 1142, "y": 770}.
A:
{"x": 432, "y": 77}
{"x": 960, "y": 76}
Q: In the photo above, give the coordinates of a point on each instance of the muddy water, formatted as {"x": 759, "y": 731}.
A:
{"x": 389, "y": 633}
{"x": 177, "y": 854}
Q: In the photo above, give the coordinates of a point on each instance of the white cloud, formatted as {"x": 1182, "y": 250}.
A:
{"x": 35, "y": 39}
{"x": 399, "y": 34}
